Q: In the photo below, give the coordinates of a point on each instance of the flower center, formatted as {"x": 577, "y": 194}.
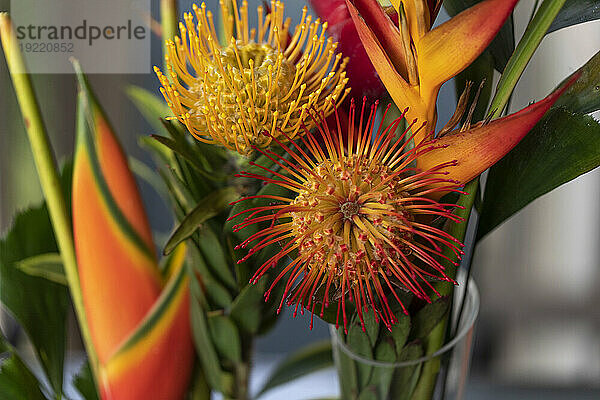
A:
{"x": 352, "y": 218}
{"x": 247, "y": 78}
{"x": 350, "y": 209}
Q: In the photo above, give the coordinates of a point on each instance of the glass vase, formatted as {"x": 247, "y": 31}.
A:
{"x": 441, "y": 375}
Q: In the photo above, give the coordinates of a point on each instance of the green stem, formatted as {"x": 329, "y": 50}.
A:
{"x": 241, "y": 380}
{"x": 435, "y": 340}
{"x": 535, "y": 32}
{"x": 47, "y": 172}
{"x": 168, "y": 22}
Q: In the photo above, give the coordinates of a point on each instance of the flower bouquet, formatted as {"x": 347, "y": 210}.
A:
{"x": 305, "y": 168}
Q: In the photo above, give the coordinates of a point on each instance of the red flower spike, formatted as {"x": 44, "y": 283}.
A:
{"x": 358, "y": 225}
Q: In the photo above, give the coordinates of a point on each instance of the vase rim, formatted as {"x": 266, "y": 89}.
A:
{"x": 468, "y": 320}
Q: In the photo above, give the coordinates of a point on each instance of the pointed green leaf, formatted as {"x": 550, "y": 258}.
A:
{"x": 48, "y": 266}
{"x": 405, "y": 379}
{"x": 346, "y": 368}
{"x": 211, "y": 248}
{"x": 584, "y": 95}
{"x": 561, "y": 147}
{"x": 576, "y": 12}
{"x": 400, "y": 332}
{"x": 226, "y": 337}
{"x": 428, "y": 317}
{"x": 150, "y": 176}
{"x": 382, "y": 376}
{"x": 216, "y": 294}
{"x": 184, "y": 150}
{"x": 149, "y": 105}
{"x": 358, "y": 342}
{"x": 371, "y": 326}
{"x": 210, "y": 206}
{"x": 204, "y": 345}
{"x": 247, "y": 307}
{"x": 38, "y": 304}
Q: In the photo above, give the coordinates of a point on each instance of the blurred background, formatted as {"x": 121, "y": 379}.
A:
{"x": 538, "y": 274}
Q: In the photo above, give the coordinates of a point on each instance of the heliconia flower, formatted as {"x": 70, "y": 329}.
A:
{"x": 261, "y": 79}
{"x": 414, "y": 60}
{"x": 138, "y": 319}
{"x": 362, "y": 221}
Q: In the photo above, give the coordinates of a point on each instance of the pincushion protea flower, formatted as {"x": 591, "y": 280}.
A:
{"x": 260, "y": 80}
{"x": 363, "y": 221}
{"x": 359, "y": 220}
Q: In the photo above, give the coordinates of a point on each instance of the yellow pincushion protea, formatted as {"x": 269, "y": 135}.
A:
{"x": 262, "y": 80}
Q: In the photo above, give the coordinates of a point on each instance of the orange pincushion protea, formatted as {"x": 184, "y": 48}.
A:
{"x": 360, "y": 223}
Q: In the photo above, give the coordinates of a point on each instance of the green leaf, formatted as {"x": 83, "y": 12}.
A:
{"x": 84, "y": 383}
{"x": 310, "y": 359}
{"x": 368, "y": 393}
{"x": 210, "y": 206}
{"x": 576, "y": 12}
{"x": 503, "y": 44}
{"x": 150, "y": 176}
{"x": 216, "y": 294}
{"x": 400, "y": 332}
{"x": 428, "y": 317}
{"x": 204, "y": 345}
{"x": 346, "y": 369}
{"x": 247, "y": 307}
{"x": 382, "y": 376}
{"x": 48, "y": 266}
{"x": 406, "y": 378}
{"x": 161, "y": 153}
{"x": 212, "y": 251}
{"x": 183, "y": 148}
{"x": 17, "y": 382}
{"x": 561, "y": 147}
{"x": 584, "y": 95}
{"x": 200, "y": 389}
{"x": 38, "y": 304}
{"x": 226, "y": 337}
{"x": 358, "y": 342}
{"x": 371, "y": 327}
{"x": 150, "y": 106}
{"x": 535, "y": 32}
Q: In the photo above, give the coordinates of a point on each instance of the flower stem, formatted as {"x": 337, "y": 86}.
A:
{"x": 435, "y": 340}
{"x": 47, "y": 172}
{"x": 168, "y": 22}
{"x": 535, "y": 32}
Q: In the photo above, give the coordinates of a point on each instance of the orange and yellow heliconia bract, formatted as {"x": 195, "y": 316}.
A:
{"x": 138, "y": 318}
{"x": 413, "y": 74}
{"x": 412, "y": 59}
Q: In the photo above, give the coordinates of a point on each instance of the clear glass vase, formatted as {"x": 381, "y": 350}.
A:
{"x": 441, "y": 375}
